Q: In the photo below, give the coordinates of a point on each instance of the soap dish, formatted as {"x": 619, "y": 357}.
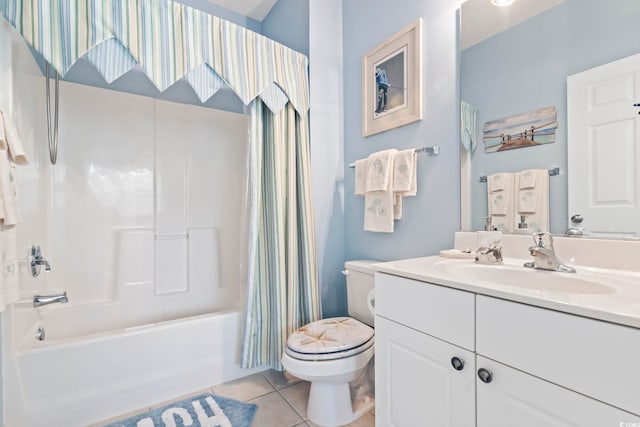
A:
{"x": 458, "y": 253}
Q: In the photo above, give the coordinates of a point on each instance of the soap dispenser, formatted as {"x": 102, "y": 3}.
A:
{"x": 523, "y": 227}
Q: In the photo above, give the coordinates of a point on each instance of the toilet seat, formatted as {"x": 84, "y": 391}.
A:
{"x": 330, "y": 339}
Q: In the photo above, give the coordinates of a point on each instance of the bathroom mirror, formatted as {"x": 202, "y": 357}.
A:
{"x": 517, "y": 59}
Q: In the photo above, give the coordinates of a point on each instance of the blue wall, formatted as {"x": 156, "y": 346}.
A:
{"x": 288, "y": 23}
{"x": 526, "y": 67}
{"x": 431, "y": 218}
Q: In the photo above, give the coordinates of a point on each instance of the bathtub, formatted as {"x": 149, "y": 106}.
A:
{"x": 81, "y": 380}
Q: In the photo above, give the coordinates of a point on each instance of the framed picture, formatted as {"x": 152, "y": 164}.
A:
{"x": 392, "y": 82}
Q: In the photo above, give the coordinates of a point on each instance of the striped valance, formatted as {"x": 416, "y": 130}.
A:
{"x": 170, "y": 41}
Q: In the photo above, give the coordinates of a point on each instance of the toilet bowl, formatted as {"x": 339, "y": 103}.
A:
{"x": 336, "y": 355}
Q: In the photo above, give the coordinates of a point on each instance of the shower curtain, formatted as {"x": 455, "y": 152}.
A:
{"x": 282, "y": 292}
{"x": 171, "y": 41}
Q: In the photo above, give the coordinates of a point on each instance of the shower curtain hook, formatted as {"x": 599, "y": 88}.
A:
{"x": 52, "y": 134}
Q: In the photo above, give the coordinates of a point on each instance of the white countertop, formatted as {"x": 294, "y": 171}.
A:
{"x": 619, "y": 303}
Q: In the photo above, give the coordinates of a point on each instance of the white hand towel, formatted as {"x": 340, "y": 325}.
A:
{"x": 380, "y": 171}
{"x": 361, "y": 176}
{"x": 500, "y": 201}
{"x": 532, "y": 197}
{"x": 404, "y": 168}
{"x": 379, "y": 211}
{"x": 405, "y": 174}
{"x": 498, "y": 181}
{"x": 11, "y": 153}
{"x": 9, "y": 138}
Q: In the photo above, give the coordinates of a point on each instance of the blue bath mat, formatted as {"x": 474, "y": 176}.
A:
{"x": 206, "y": 410}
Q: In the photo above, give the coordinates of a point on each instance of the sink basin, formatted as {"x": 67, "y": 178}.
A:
{"x": 522, "y": 277}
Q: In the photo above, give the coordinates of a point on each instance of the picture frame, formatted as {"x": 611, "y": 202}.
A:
{"x": 392, "y": 81}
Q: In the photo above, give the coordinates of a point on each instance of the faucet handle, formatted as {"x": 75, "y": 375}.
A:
{"x": 543, "y": 239}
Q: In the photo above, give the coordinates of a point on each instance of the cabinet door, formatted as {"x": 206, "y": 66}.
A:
{"x": 516, "y": 399}
{"x": 416, "y": 383}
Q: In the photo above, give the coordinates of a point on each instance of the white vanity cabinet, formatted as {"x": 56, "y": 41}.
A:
{"x": 533, "y": 367}
{"x": 591, "y": 357}
{"x": 516, "y": 399}
{"x": 424, "y": 376}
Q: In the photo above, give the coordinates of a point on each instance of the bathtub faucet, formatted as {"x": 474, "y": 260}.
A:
{"x": 39, "y": 300}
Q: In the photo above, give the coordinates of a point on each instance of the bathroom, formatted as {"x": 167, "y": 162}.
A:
{"x": 335, "y": 34}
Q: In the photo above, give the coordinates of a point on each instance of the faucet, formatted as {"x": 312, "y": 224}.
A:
{"x": 544, "y": 256}
{"x": 40, "y": 300}
{"x": 489, "y": 255}
{"x": 37, "y": 260}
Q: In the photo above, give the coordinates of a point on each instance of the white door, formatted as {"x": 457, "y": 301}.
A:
{"x": 604, "y": 147}
{"x": 416, "y": 382}
{"x": 515, "y": 399}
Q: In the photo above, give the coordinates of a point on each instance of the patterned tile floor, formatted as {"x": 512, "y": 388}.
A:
{"x": 281, "y": 400}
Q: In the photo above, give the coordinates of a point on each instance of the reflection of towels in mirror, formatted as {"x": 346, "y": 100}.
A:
{"x": 532, "y": 190}
{"x": 501, "y": 206}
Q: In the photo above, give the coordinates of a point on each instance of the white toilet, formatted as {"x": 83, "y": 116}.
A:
{"x": 335, "y": 354}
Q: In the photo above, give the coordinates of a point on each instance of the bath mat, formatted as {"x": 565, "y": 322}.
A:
{"x": 205, "y": 410}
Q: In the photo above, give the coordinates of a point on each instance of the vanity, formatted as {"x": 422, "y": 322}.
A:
{"x": 465, "y": 344}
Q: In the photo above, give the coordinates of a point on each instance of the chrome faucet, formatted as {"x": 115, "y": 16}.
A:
{"x": 40, "y": 300}
{"x": 37, "y": 261}
{"x": 544, "y": 256}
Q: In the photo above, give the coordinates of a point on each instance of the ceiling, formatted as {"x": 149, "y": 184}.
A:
{"x": 481, "y": 20}
{"x": 256, "y": 9}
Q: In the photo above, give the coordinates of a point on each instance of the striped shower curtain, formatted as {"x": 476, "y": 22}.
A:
{"x": 283, "y": 292}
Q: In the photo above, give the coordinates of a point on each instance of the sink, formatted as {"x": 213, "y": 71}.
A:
{"x": 518, "y": 276}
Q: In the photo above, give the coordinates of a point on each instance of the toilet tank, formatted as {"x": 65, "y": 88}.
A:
{"x": 359, "y": 283}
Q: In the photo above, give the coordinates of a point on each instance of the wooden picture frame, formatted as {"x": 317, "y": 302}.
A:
{"x": 392, "y": 81}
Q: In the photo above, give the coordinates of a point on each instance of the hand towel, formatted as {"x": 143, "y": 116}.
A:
{"x": 405, "y": 174}
{"x": 361, "y": 176}
{"x": 11, "y": 153}
{"x": 380, "y": 171}
{"x": 500, "y": 201}
{"x": 379, "y": 206}
{"x": 379, "y": 211}
{"x": 532, "y": 197}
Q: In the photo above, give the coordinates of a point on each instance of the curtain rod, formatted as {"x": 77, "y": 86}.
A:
{"x": 552, "y": 172}
{"x": 430, "y": 150}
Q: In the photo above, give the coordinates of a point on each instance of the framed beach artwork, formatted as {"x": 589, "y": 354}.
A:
{"x": 522, "y": 130}
{"x": 392, "y": 81}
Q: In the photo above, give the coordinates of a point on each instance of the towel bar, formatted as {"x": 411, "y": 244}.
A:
{"x": 433, "y": 150}
{"x": 552, "y": 172}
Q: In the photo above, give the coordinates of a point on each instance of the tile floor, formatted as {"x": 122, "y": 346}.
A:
{"x": 281, "y": 400}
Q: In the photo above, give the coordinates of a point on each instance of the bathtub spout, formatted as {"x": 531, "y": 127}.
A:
{"x": 39, "y": 300}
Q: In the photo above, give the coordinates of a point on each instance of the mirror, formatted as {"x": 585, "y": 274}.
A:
{"x": 517, "y": 59}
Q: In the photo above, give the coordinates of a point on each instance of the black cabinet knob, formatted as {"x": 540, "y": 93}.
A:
{"x": 457, "y": 363}
{"x": 485, "y": 375}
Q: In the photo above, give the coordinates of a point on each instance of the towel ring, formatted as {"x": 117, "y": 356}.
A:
{"x": 52, "y": 134}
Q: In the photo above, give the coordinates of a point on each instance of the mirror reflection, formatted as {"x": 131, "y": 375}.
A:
{"x": 536, "y": 55}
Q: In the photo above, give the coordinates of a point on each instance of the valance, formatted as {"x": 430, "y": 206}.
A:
{"x": 169, "y": 41}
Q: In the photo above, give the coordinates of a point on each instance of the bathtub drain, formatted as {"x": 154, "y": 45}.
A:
{"x": 40, "y": 333}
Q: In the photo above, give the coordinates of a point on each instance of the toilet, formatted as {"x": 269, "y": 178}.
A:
{"x": 336, "y": 355}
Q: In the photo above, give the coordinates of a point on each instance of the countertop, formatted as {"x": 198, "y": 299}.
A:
{"x": 619, "y": 303}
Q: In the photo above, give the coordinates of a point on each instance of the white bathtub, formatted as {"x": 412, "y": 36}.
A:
{"x": 77, "y": 381}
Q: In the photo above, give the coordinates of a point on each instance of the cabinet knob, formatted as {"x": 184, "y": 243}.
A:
{"x": 457, "y": 363}
{"x": 485, "y": 375}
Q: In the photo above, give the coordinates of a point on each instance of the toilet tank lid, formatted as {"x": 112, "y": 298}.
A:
{"x": 363, "y": 266}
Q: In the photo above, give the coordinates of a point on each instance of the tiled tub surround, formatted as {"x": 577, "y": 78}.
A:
{"x": 141, "y": 220}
